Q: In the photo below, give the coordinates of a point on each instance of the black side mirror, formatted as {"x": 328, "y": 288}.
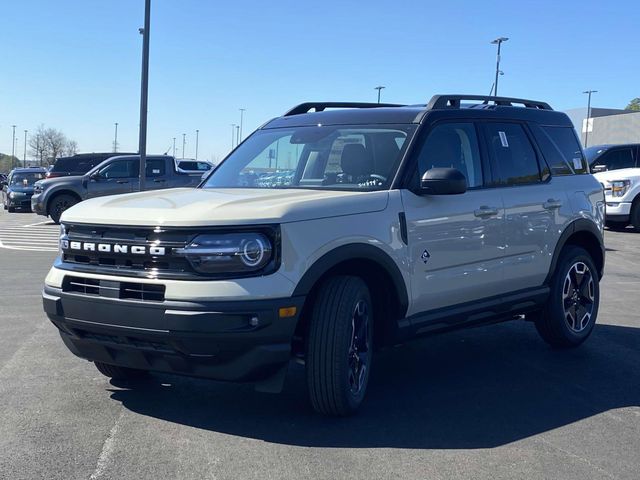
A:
{"x": 443, "y": 181}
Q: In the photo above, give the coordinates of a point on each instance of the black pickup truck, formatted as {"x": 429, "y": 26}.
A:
{"x": 113, "y": 176}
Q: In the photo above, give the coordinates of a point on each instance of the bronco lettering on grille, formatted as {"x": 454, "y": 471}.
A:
{"x": 112, "y": 248}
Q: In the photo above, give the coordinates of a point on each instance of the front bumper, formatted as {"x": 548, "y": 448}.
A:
{"x": 204, "y": 339}
{"x": 22, "y": 202}
{"x": 37, "y": 205}
{"x": 618, "y": 211}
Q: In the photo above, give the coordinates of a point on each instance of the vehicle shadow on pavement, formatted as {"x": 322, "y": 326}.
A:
{"x": 478, "y": 388}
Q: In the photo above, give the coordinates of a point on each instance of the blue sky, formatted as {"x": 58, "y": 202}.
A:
{"x": 75, "y": 64}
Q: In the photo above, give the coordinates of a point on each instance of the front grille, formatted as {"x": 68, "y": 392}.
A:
{"x": 112, "y": 289}
{"x": 147, "y": 264}
{"x": 125, "y": 340}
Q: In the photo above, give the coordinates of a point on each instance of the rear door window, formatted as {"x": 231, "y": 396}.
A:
{"x": 155, "y": 168}
{"x": 513, "y": 158}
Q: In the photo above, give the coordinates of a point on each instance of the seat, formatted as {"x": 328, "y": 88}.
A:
{"x": 356, "y": 161}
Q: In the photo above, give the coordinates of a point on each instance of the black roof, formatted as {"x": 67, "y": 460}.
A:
{"x": 29, "y": 170}
{"x": 452, "y": 106}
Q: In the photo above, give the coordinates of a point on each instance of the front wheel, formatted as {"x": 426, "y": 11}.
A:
{"x": 59, "y": 204}
{"x": 340, "y": 346}
{"x": 570, "y": 313}
{"x": 11, "y": 209}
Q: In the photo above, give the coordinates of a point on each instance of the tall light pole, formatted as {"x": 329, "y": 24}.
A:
{"x": 184, "y": 142}
{"x": 174, "y": 147}
{"x": 498, "y": 41}
{"x": 586, "y": 127}
{"x": 197, "y": 135}
{"x": 144, "y": 92}
{"x": 241, "y": 118}
{"x": 237, "y": 135}
{"x": 115, "y": 139}
{"x": 13, "y": 144}
{"x": 379, "y": 88}
{"x": 24, "y": 157}
{"x": 233, "y": 136}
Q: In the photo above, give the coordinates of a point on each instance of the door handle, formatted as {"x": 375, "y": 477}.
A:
{"x": 552, "y": 204}
{"x": 484, "y": 212}
{"x": 122, "y": 181}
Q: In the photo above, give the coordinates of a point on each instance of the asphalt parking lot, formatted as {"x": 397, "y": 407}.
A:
{"x": 493, "y": 402}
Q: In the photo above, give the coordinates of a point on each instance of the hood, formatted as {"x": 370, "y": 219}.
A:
{"x": 20, "y": 188}
{"x": 622, "y": 174}
{"x": 228, "y": 206}
{"x": 47, "y": 182}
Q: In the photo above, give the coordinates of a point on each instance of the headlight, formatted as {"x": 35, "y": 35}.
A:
{"x": 37, "y": 189}
{"x": 620, "y": 187}
{"x": 62, "y": 239}
{"x": 12, "y": 195}
{"x": 229, "y": 253}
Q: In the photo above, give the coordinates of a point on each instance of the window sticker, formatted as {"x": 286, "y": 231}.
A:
{"x": 503, "y": 139}
{"x": 577, "y": 163}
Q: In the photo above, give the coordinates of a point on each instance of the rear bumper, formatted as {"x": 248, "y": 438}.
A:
{"x": 204, "y": 339}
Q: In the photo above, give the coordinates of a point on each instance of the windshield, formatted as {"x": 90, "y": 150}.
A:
{"x": 323, "y": 157}
{"x": 26, "y": 179}
{"x": 592, "y": 153}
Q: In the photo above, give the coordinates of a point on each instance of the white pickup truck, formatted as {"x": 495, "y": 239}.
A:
{"x": 617, "y": 167}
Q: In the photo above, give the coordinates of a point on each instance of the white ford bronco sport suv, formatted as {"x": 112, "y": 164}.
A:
{"x": 329, "y": 233}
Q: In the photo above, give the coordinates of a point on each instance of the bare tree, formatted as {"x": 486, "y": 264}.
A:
{"x": 71, "y": 148}
{"x": 47, "y": 144}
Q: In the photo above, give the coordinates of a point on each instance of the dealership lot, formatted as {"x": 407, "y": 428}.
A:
{"x": 492, "y": 402}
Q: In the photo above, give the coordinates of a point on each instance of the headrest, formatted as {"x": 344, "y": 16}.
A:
{"x": 355, "y": 160}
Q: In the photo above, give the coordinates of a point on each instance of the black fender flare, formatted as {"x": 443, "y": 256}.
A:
{"x": 59, "y": 191}
{"x": 355, "y": 251}
{"x": 580, "y": 225}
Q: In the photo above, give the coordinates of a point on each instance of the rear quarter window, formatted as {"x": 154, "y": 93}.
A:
{"x": 561, "y": 149}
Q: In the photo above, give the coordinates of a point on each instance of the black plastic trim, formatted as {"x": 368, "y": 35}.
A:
{"x": 580, "y": 225}
{"x": 355, "y": 251}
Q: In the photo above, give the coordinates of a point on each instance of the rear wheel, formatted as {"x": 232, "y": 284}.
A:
{"x": 616, "y": 226}
{"x": 59, "y": 204}
{"x": 635, "y": 214}
{"x": 339, "y": 346}
{"x": 120, "y": 373}
{"x": 570, "y": 313}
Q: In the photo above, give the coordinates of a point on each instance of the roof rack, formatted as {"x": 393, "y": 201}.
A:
{"x": 453, "y": 101}
{"x": 320, "y": 106}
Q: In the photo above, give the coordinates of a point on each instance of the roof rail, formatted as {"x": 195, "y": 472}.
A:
{"x": 320, "y": 106}
{"x": 453, "y": 101}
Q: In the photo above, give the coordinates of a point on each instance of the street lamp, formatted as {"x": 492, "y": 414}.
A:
{"x": 197, "y": 135}
{"x": 174, "y": 147}
{"x": 144, "y": 93}
{"x": 13, "y": 144}
{"x": 184, "y": 142}
{"x": 586, "y": 129}
{"x": 379, "y": 88}
{"x": 237, "y": 135}
{"x": 233, "y": 135}
{"x": 115, "y": 139}
{"x": 24, "y": 158}
{"x": 498, "y": 41}
{"x": 241, "y": 117}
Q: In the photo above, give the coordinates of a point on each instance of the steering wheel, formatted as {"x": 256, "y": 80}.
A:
{"x": 378, "y": 177}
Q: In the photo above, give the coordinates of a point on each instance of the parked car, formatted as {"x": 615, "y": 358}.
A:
{"x": 18, "y": 189}
{"x": 79, "y": 164}
{"x": 192, "y": 166}
{"x": 395, "y": 222}
{"x": 113, "y": 176}
{"x": 603, "y": 158}
{"x": 3, "y": 179}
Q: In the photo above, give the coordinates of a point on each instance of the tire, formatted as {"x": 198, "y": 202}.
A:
{"x": 120, "y": 373}
{"x": 338, "y": 360}
{"x": 616, "y": 226}
{"x": 11, "y": 209}
{"x": 634, "y": 218}
{"x": 575, "y": 284}
{"x": 59, "y": 204}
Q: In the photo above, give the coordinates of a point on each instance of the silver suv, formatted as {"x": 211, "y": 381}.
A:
{"x": 334, "y": 230}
